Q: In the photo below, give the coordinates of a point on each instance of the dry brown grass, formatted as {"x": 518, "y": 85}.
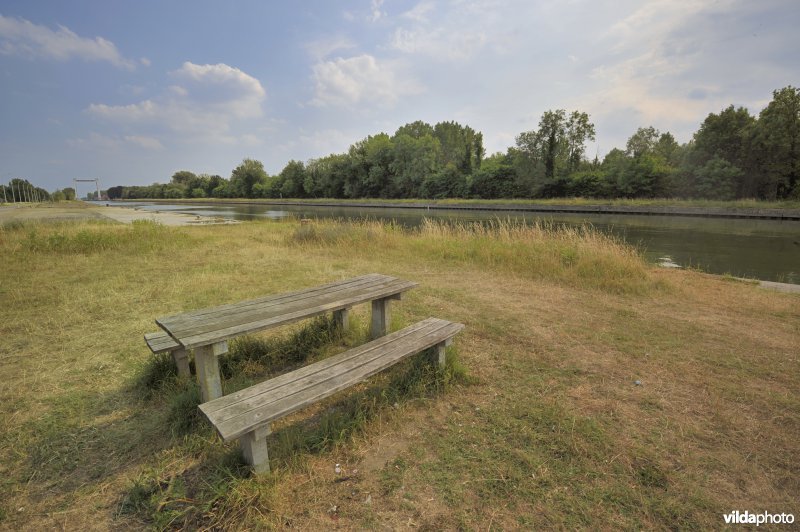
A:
{"x": 554, "y": 433}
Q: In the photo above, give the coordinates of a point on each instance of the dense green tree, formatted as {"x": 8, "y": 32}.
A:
{"x": 460, "y": 145}
{"x": 448, "y": 182}
{"x": 416, "y": 130}
{"x": 643, "y": 142}
{"x": 727, "y": 136}
{"x": 777, "y": 137}
{"x": 717, "y": 179}
{"x": 496, "y": 178}
{"x": 413, "y": 158}
{"x": 183, "y": 178}
{"x": 292, "y": 179}
{"x": 245, "y": 176}
{"x": 547, "y": 155}
{"x": 370, "y": 173}
{"x": 578, "y": 131}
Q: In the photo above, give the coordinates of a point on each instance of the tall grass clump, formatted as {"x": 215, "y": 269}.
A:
{"x": 87, "y": 237}
{"x": 578, "y": 256}
{"x": 346, "y": 233}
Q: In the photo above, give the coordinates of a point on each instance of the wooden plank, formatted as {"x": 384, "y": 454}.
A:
{"x": 320, "y": 390}
{"x": 311, "y": 369}
{"x": 290, "y": 393}
{"x": 160, "y": 342}
{"x": 276, "y": 297}
{"x": 204, "y": 337}
{"x": 244, "y": 312}
{"x": 198, "y": 316}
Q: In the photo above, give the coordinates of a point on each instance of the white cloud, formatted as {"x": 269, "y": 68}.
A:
{"x": 460, "y": 30}
{"x": 137, "y": 112}
{"x": 439, "y": 43}
{"x": 209, "y": 100}
{"x": 650, "y": 75}
{"x": 22, "y": 37}
{"x": 322, "y": 48}
{"x": 375, "y": 10}
{"x": 224, "y": 87}
{"x": 361, "y": 79}
{"x": 94, "y": 141}
{"x": 419, "y": 12}
{"x": 145, "y": 61}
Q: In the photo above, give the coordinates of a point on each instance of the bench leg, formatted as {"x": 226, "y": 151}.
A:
{"x": 381, "y": 316}
{"x": 254, "y": 448}
{"x": 342, "y": 318}
{"x": 181, "y": 358}
{"x": 207, "y": 365}
{"x": 440, "y": 355}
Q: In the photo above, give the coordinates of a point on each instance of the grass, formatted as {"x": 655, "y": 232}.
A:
{"x": 536, "y": 423}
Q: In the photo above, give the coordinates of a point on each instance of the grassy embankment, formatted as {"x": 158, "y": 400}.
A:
{"x": 536, "y": 423}
{"x": 577, "y": 202}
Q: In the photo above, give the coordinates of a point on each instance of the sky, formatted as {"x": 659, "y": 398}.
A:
{"x": 131, "y": 92}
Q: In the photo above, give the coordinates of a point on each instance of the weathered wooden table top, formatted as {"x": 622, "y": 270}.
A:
{"x": 211, "y": 325}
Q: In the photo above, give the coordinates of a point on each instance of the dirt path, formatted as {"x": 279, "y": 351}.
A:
{"x": 81, "y": 211}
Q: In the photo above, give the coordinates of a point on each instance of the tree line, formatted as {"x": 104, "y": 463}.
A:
{"x": 21, "y": 190}
{"x": 732, "y": 155}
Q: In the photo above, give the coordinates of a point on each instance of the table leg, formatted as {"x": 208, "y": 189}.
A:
{"x": 181, "y": 358}
{"x": 381, "y": 316}
{"x": 342, "y": 318}
{"x": 207, "y": 365}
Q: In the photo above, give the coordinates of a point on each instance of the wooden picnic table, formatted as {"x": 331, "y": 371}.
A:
{"x": 207, "y": 331}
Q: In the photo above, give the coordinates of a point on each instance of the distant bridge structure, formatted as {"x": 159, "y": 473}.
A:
{"x": 96, "y": 184}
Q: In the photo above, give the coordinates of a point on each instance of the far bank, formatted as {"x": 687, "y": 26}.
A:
{"x": 657, "y": 207}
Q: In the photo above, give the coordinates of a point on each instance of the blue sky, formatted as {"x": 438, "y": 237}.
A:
{"x": 131, "y": 92}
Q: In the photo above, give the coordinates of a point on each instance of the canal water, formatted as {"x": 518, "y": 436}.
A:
{"x": 760, "y": 249}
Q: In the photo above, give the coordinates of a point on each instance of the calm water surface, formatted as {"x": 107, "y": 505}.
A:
{"x": 759, "y": 249}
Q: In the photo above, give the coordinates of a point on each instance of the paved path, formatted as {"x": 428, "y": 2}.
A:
{"x": 780, "y": 287}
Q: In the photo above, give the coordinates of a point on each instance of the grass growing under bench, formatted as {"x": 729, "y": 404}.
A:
{"x": 538, "y": 421}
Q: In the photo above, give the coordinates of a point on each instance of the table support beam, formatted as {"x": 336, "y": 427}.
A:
{"x": 207, "y": 365}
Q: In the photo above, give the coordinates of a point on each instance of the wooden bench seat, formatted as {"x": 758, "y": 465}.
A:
{"x": 207, "y": 331}
{"x": 247, "y": 414}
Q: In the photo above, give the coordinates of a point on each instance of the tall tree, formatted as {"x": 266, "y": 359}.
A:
{"x": 778, "y": 136}
{"x": 245, "y": 176}
{"x": 414, "y": 158}
{"x": 552, "y": 151}
{"x": 642, "y": 142}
